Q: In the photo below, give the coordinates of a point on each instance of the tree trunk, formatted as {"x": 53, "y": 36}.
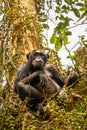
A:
{"x": 24, "y": 30}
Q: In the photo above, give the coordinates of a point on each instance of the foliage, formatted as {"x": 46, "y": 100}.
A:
{"x": 63, "y": 10}
{"x": 60, "y": 114}
{"x": 69, "y": 114}
{"x": 63, "y": 15}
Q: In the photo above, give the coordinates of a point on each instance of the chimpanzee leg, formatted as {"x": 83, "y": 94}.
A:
{"x": 25, "y": 90}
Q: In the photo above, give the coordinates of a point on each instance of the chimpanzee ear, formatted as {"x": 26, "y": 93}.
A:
{"x": 27, "y": 56}
{"x": 47, "y": 55}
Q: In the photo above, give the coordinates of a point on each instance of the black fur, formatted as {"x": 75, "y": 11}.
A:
{"x": 36, "y": 77}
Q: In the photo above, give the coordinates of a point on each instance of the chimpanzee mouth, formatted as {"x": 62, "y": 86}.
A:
{"x": 38, "y": 65}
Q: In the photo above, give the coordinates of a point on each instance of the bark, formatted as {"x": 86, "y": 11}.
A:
{"x": 24, "y": 30}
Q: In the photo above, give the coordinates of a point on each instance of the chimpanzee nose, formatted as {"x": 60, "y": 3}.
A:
{"x": 39, "y": 60}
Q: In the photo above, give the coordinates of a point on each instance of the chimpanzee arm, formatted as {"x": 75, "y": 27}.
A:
{"x": 21, "y": 73}
{"x": 24, "y": 77}
{"x": 37, "y": 79}
{"x": 23, "y": 89}
{"x": 55, "y": 75}
{"x": 31, "y": 78}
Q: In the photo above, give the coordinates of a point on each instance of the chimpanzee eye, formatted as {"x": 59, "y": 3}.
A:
{"x": 42, "y": 55}
{"x": 38, "y": 54}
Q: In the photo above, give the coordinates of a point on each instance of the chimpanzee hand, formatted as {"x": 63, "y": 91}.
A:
{"x": 43, "y": 80}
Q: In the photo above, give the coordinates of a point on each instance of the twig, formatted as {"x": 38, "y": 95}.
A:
{"x": 76, "y": 25}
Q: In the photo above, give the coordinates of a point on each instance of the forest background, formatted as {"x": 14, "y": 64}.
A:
{"x": 25, "y": 26}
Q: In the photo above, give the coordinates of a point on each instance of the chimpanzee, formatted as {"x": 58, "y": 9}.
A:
{"x": 36, "y": 78}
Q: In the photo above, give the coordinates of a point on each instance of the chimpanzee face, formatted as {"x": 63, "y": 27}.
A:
{"x": 37, "y": 58}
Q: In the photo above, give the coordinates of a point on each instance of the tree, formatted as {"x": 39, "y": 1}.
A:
{"x": 20, "y": 32}
{"x": 22, "y": 24}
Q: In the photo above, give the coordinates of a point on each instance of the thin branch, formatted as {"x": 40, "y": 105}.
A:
{"x": 77, "y": 25}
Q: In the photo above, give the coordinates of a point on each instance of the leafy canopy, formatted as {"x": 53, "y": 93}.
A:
{"x": 65, "y": 14}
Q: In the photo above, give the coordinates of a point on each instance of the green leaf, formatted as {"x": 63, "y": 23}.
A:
{"x": 58, "y": 45}
{"x": 57, "y": 9}
{"x": 79, "y": 108}
{"x": 53, "y": 105}
{"x": 60, "y": 25}
{"x": 84, "y": 14}
{"x": 62, "y": 17}
{"x": 65, "y": 40}
{"x": 80, "y": 4}
{"x": 65, "y": 7}
{"x": 43, "y": 19}
{"x": 46, "y": 26}
{"x": 68, "y": 33}
{"x": 53, "y": 39}
{"x": 83, "y": 9}
{"x": 85, "y": 45}
{"x": 76, "y": 12}
{"x": 70, "y": 57}
{"x": 68, "y": 2}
